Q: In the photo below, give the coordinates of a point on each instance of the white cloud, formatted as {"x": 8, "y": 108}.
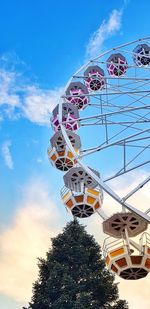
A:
{"x": 21, "y": 99}
{"x": 135, "y": 292}
{"x": 106, "y": 29}
{"x": 8, "y": 88}
{"x": 126, "y": 2}
{"x": 27, "y": 238}
{"x": 39, "y": 160}
{"x": 9, "y": 99}
{"x": 38, "y": 103}
{"x": 7, "y": 154}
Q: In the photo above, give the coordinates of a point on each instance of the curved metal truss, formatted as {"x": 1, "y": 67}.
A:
{"x": 116, "y": 119}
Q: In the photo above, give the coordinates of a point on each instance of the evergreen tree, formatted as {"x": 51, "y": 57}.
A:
{"x": 73, "y": 275}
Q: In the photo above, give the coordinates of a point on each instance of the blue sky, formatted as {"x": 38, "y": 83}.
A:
{"x": 42, "y": 44}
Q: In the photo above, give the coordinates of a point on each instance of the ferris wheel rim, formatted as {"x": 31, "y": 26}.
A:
{"x": 101, "y": 183}
{"x": 100, "y": 55}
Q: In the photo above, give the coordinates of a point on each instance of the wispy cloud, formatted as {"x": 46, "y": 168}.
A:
{"x": 8, "y": 88}
{"x": 19, "y": 98}
{"x": 7, "y": 154}
{"x": 38, "y": 103}
{"x": 9, "y": 99}
{"x": 106, "y": 29}
{"x": 126, "y": 2}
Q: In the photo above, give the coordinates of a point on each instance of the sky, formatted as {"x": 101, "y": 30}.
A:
{"x": 42, "y": 44}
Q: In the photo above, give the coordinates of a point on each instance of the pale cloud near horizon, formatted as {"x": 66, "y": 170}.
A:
{"x": 39, "y": 219}
{"x": 6, "y": 154}
{"x": 26, "y": 239}
{"x": 106, "y": 29}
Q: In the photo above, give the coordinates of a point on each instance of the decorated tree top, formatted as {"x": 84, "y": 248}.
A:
{"x": 73, "y": 275}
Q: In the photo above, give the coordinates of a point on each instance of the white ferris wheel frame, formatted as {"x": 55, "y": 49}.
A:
{"x": 78, "y": 157}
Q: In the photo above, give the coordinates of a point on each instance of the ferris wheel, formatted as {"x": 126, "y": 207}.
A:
{"x": 103, "y": 119}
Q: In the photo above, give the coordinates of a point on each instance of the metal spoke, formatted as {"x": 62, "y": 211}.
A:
{"x": 118, "y": 115}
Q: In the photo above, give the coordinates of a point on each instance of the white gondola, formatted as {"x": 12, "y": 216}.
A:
{"x": 76, "y": 94}
{"x": 82, "y": 204}
{"x": 94, "y": 78}
{"x": 116, "y": 65}
{"x": 59, "y": 154}
{"x": 141, "y": 55}
{"x": 123, "y": 261}
{"x": 70, "y": 115}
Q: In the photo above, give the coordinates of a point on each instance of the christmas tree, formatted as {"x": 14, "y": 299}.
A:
{"x": 73, "y": 275}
